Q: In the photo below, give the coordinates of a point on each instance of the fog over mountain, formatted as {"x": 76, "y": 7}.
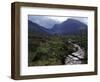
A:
{"x": 57, "y": 25}
{"x": 44, "y": 21}
{"x": 70, "y": 26}
{"x": 49, "y": 21}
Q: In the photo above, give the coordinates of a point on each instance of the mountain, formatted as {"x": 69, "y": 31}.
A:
{"x": 35, "y": 29}
{"x": 70, "y": 27}
{"x": 43, "y": 21}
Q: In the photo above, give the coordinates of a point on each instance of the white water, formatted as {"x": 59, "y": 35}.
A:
{"x": 75, "y": 57}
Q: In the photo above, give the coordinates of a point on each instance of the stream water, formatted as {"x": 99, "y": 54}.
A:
{"x": 75, "y": 57}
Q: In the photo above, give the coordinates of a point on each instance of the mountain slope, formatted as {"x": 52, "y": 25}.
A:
{"x": 35, "y": 29}
{"x": 44, "y": 21}
{"x": 70, "y": 26}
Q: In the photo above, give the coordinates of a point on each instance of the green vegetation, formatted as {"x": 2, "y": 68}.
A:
{"x": 52, "y": 50}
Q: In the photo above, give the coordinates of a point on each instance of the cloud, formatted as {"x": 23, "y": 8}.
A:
{"x": 81, "y": 19}
{"x": 44, "y": 21}
{"x": 49, "y": 21}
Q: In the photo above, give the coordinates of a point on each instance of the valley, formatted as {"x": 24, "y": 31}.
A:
{"x": 63, "y": 44}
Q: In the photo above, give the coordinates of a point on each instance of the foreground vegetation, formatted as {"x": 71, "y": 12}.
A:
{"x": 52, "y": 50}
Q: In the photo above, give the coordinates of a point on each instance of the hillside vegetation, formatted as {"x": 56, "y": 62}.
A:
{"x": 53, "y": 50}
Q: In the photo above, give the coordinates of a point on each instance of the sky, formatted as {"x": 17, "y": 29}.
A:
{"x": 50, "y": 21}
{"x": 59, "y": 19}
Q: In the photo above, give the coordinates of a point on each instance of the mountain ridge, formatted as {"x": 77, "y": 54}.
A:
{"x": 68, "y": 27}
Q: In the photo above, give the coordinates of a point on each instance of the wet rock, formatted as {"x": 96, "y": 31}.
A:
{"x": 75, "y": 57}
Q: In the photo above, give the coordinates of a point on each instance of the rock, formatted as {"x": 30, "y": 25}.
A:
{"x": 75, "y": 57}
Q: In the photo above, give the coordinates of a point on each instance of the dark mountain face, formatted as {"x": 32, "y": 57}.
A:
{"x": 71, "y": 26}
{"x": 43, "y": 21}
{"x": 35, "y": 29}
{"x": 68, "y": 27}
